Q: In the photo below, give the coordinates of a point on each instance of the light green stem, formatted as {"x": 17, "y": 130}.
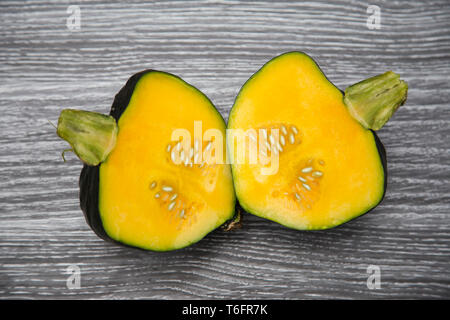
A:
{"x": 373, "y": 101}
{"x": 91, "y": 135}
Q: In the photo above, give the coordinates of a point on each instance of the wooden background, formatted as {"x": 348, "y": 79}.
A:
{"x": 216, "y": 46}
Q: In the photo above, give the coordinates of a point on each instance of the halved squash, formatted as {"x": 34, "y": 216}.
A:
{"x": 138, "y": 194}
{"x": 317, "y": 166}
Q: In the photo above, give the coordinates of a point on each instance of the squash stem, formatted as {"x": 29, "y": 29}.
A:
{"x": 91, "y": 135}
{"x": 373, "y": 101}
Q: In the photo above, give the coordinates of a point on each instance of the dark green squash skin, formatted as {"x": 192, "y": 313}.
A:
{"x": 383, "y": 158}
{"x": 89, "y": 177}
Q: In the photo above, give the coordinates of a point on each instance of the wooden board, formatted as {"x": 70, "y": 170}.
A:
{"x": 217, "y": 46}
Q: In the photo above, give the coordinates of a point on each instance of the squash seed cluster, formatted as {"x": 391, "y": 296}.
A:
{"x": 275, "y": 139}
{"x": 176, "y": 206}
{"x": 304, "y": 189}
{"x": 189, "y": 157}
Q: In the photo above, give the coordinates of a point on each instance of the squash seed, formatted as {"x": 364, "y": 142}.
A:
{"x": 153, "y": 185}
{"x": 157, "y": 195}
{"x": 264, "y": 133}
{"x": 271, "y": 139}
{"x": 172, "y": 155}
{"x": 306, "y": 186}
{"x": 274, "y": 150}
{"x": 196, "y": 145}
{"x": 307, "y": 169}
{"x": 174, "y": 197}
{"x": 208, "y": 146}
{"x": 168, "y": 148}
{"x": 283, "y": 129}
{"x": 294, "y": 129}
{"x": 280, "y": 148}
{"x": 297, "y": 196}
{"x": 197, "y": 155}
{"x": 182, "y": 155}
{"x": 171, "y": 205}
{"x": 317, "y": 173}
{"x": 302, "y": 179}
{"x": 282, "y": 140}
{"x": 263, "y": 152}
{"x": 167, "y": 189}
{"x": 291, "y": 138}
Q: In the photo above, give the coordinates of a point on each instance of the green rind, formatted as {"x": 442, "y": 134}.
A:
{"x": 380, "y": 148}
{"x": 90, "y": 175}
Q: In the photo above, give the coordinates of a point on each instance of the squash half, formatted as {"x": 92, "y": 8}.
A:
{"x": 317, "y": 166}
{"x": 138, "y": 196}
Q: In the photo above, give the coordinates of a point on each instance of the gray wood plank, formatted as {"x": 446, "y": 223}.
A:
{"x": 216, "y": 46}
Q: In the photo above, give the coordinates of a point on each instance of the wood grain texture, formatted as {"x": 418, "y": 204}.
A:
{"x": 217, "y": 46}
